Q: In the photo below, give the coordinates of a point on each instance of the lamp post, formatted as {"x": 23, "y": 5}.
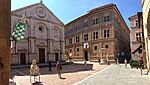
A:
{"x": 70, "y": 55}
{"x": 101, "y": 50}
{"x": 117, "y": 60}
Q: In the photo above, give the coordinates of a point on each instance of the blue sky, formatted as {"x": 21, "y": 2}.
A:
{"x": 68, "y": 10}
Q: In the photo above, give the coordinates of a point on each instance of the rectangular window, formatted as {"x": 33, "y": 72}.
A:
{"x": 138, "y": 37}
{"x": 95, "y": 35}
{"x": 106, "y": 33}
{"x": 85, "y": 37}
{"x": 70, "y": 50}
{"x": 95, "y": 47}
{"x": 136, "y": 23}
{"x": 70, "y": 41}
{"x": 85, "y": 24}
{"x": 95, "y": 21}
{"x": 77, "y": 27}
{"x": 106, "y": 46}
{"x": 77, "y": 49}
{"x": 77, "y": 39}
{"x": 106, "y": 18}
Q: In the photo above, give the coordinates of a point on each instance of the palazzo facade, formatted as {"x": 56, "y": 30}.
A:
{"x": 101, "y": 33}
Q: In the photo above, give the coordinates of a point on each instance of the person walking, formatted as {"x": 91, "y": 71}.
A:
{"x": 85, "y": 62}
{"x": 58, "y": 68}
{"x": 141, "y": 64}
{"x": 147, "y": 71}
{"x": 107, "y": 60}
{"x": 117, "y": 62}
{"x": 125, "y": 62}
{"x": 99, "y": 61}
{"x": 50, "y": 65}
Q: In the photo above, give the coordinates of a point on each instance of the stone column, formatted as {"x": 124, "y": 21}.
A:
{"x": 5, "y": 27}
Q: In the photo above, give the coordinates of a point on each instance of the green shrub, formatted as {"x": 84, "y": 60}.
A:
{"x": 134, "y": 63}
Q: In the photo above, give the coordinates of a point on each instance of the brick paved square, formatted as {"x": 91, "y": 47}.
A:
{"x": 70, "y": 74}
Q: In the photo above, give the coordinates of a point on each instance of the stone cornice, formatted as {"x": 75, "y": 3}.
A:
{"x": 30, "y": 17}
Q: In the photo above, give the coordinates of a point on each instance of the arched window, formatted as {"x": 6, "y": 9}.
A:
{"x": 41, "y": 31}
{"x": 136, "y": 23}
{"x": 41, "y": 28}
{"x": 56, "y": 32}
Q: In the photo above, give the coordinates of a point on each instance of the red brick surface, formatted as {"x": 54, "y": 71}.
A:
{"x": 70, "y": 74}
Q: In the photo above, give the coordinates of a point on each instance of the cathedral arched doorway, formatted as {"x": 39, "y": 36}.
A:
{"x": 56, "y": 57}
{"x": 41, "y": 55}
{"x": 22, "y": 58}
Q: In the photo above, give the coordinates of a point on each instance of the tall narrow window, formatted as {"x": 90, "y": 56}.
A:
{"x": 95, "y": 21}
{"x": 56, "y": 32}
{"x": 77, "y": 27}
{"x": 77, "y": 49}
{"x": 85, "y": 23}
{"x": 106, "y": 46}
{"x": 70, "y": 50}
{"x": 95, "y": 47}
{"x": 106, "y": 33}
{"x": 106, "y": 18}
{"x": 136, "y": 23}
{"x": 70, "y": 41}
{"x": 77, "y": 38}
{"x": 85, "y": 37}
{"x": 138, "y": 36}
{"x": 95, "y": 35}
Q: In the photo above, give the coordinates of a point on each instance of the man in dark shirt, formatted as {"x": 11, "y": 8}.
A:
{"x": 50, "y": 65}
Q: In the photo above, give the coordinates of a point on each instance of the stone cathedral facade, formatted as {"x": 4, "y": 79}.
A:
{"x": 44, "y": 36}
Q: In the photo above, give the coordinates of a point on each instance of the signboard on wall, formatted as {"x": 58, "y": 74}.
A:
{"x": 86, "y": 45}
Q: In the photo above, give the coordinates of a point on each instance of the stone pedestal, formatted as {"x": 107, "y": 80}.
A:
{"x": 12, "y": 82}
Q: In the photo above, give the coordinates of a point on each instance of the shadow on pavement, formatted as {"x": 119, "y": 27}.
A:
{"x": 74, "y": 67}
{"x": 62, "y": 78}
{"x": 38, "y": 83}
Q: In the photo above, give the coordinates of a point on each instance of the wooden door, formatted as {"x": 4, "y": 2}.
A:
{"x": 42, "y": 55}
{"x": 86, "y": 55}
{"x": 22, "y": 58}
{"x": 56, "y": 57}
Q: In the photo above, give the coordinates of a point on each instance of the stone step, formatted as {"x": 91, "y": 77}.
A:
{"x": 40, "y": 65}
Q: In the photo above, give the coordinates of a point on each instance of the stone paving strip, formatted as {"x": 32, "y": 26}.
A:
{"x": 70, "y": 74}
{"x": 117, "y": 75}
